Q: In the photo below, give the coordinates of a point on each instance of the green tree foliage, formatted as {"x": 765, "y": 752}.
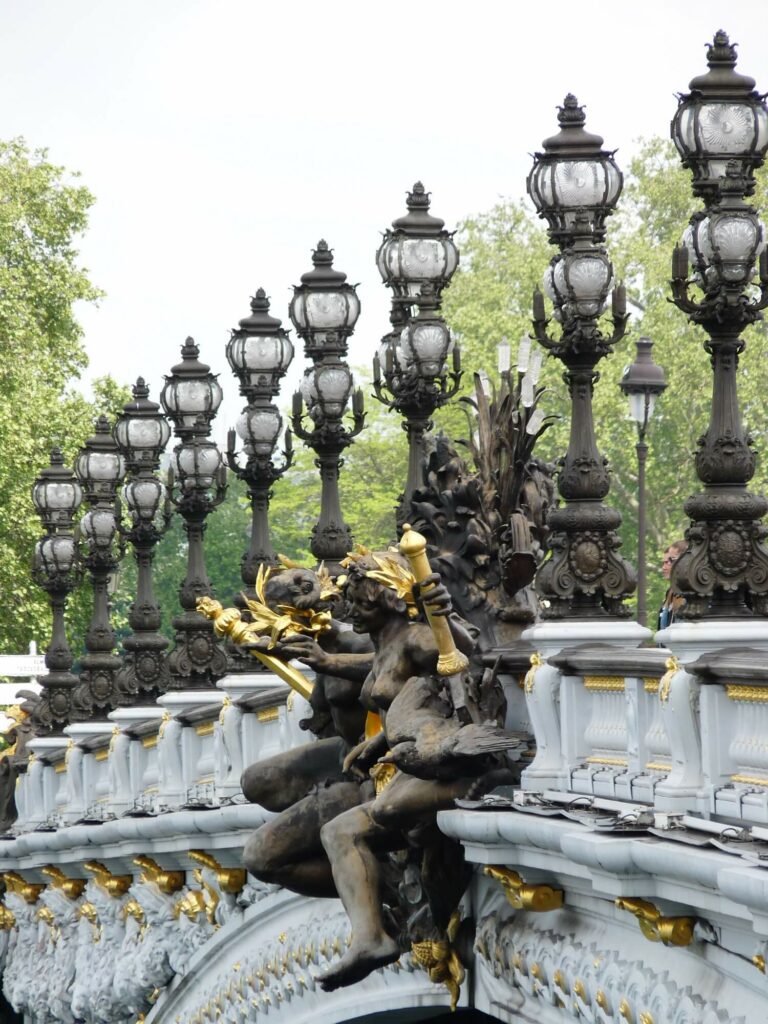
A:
{"x": 504, "y": 254}
{"x": 43, "y": 209}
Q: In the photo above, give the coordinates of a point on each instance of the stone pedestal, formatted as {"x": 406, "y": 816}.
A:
{"x": 133, "y": 771}
{"x": 543, "y": 689}
{"x": 81, "y": 764}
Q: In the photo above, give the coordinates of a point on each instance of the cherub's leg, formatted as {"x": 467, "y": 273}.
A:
{"x": 287, "y": 850}
{"x": 349, "y": 841}
{"x": 278, "y": 782}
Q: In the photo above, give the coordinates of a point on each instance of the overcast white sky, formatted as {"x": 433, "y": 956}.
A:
{"x": 223, "y": 138}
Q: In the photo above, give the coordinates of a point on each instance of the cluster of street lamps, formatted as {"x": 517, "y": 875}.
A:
{"x": 721, "y": 132}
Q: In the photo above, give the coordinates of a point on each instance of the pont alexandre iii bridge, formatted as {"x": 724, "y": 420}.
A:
{"x": 572, "y": 813}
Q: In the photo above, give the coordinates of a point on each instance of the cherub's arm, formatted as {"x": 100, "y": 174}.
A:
{"x": 348, "y": 666}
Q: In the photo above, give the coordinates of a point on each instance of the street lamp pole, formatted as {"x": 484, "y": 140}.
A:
{"x": 197, "y": 485}
{"x": 642, "y": 382}
{"x": 259, "y": 353}
{"x": 57, "y": 495}
{"x": 100, "y": 468}
{"x": 720, "y": 129}
{"x": 324, "y": 310}
{"x": 575, "y": 185}
{"x": 142, "y": 432}
{"x": 416, "y": 260}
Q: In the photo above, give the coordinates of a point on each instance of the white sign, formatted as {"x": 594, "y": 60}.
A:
{"x": 22, "y": 666}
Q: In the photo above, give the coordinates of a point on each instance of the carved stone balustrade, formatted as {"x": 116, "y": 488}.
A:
{"x": 612, "y": 741}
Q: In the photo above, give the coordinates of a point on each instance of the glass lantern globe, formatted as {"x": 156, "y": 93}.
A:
{"x": 578, "y": 284}
{"x": 142, "y": 431}
{"x": 196, "y": 465}
{"x": 56, "y": 493}
{"x": 99, "y": 465}
{"x": 259, "y": 351}
{"x": 55, "y": 555}
{"x": 418, "y": 251}
{"x": 324, "y": 308}
{"x": 726, "y": 246}
{"x": 326, "y": 390}
{"x": 98, "y": 527}
{"x": 424, "y": 345}
{"x": 143, "y": 497}
{"x": 191, "y": 395}
{"x": 574, "y": 175}
{"x": 722, "y": 119}
{"x": 259, "y": 428}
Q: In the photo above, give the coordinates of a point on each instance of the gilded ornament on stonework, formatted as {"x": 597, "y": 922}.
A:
{"x": 226, "y": 703}
{"x": 29, "y": 891}
{"x": 604, "y": 684}
{"x": 530, "y": 676}
{"x": 231, "y": 880}
{"x": 753, "y": 694}
{"x": 167, "y": 882}
{"x": 7, "y": 919}
{"x": 523, "y": 896}
{"x": 113, "y": 885}
{"x": 759, "y": 961}
{"x": 190, "y": 904}
{"x": 672, "y": 931}
{"x": 71, "y": 887}
{"x": 672, "y": 665}
{"x": 441, "y": 961}
{"x": 450, "y": 659}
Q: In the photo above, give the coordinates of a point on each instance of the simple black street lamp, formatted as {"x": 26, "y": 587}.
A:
{"x": 57, "y": 495}
{"x": 100, "y": 468}
{"x": 142, "y": 432}
{"x": 642, "y": 382}
{"x": 416, "y": 259}
{"x": 575, "y": 185}
{"x": 197, "y": 484}
{"x": 720, "y": 129}
{"x": 324, "y": 310}
{"x": 259, "y": 353}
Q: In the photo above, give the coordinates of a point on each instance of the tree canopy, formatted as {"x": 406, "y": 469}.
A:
{"x": 43, "y": 210}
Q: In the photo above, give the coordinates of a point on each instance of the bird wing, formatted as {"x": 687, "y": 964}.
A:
{"x": 475, "y": 740}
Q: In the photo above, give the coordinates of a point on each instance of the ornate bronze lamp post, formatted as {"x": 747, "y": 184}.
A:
{"x": 410, "y": 375}
{"x": 417, "y": 260}
{"x": 259, "y": 353}
{"x": 324, "y": 310}
{"x": 57, "y": 495}
{"x": 197, "y": 485}
{"x": 642, "y": 382}
{"x": 721, "y": 132}
{"x": 142, "y": 432}
{"x": 100, "y": 468}
{"x": 575, "y": 185}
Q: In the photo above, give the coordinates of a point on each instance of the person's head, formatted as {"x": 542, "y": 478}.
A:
{"x": 297, "y": 587}
{"x": 671, "y": 555}
{"x": 372, "y": 602}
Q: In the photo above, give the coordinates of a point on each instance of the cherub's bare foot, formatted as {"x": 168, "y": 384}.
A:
{"x": 359, "y": 962}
